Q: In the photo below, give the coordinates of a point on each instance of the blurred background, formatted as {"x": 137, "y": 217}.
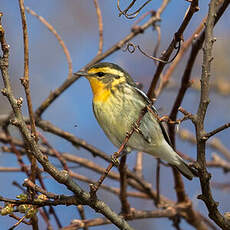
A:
{"x": 76, "y": 23}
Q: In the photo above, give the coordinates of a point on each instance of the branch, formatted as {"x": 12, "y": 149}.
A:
{"x": 25, "y": 79}
{"x": 135, "y": 214}
{"x": 205, "y": 177}
{"x": 133, "y": 180}
{"x": 60, "y": 176}
{"x": 178, "y": 36}
{"x": 25, "y": 82}
{"x": 136, "y": 125}
{"x": 214, "y": 132}
{"x": 218, "y": 162}
{"x": 215, "y": 143}
{"x": 62, "y": 200}
{"x": 183, "y": 49}
{"x": 61, "y": 42}
{"x": 100, "y": 26}
{"x": 169, "y": 212}
{"x": 53, "y": 95}
{"x": 125, "y": 206}
{"x": 131, "y": 15}
{"x": 139, "y": 164}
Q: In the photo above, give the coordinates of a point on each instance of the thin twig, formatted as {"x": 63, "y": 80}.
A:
{"x": 209, "y": 222}
{"x": 142, "y": 17}
{"x": 214, "y": 143}
{"x": 219, "y": 162}
{"x": 132, "y": 47}
{"x": 18, "y": 218}
{"x": 158, "y": 30}
{"x": 29, "y": 183}
{"x": 25, "y": 79}
{"x": 56, "y": 153}
{"x": 158, "y": 181}
{"x": 130, "y": 15}
{"x": 113, "y": 190}
{"x": 25, "y": 82}
{"x": 100, "y": 26}
{"x": 169, "y": 212}
{"x": 82, "y": 215}
{"x": 125, "y": 206}
{"x": 16, "y": 224}
{"x": 204, "y": 176}
{"x": 10, "y": 169}
{"x": 139, "y": 164}
{"x": 178, "y": 36}
{"x": 61, "y": 42}
{"x": 214, "y": 132}
{"x": 179, "y": 186}
{"x": 24, "y": 168}
{"x": 165, "y": 78}
{"x": 60, "y": 176}
{"x": 134, "y": 181}
{"x": 54, "y": 94}
{"x": 95, "y": 187}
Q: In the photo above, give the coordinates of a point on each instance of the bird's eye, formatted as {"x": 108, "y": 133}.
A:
{"x": 100, "y": 74}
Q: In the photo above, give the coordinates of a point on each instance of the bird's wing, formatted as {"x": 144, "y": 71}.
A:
{"x": 165, "y": 133}
{"x": 148, "y": 101}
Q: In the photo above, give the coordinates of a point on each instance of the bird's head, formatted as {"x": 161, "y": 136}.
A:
{"x": 105, "y": 77}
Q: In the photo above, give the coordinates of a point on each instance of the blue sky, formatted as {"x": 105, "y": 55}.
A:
{"x": 76, "y": 23}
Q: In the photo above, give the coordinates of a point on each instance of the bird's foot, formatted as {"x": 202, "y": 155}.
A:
{"x": 115, "y": 160}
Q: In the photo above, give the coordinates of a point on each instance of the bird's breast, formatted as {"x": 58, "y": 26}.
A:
{"x": 109, "y": 116}
{"x": 100, "y": 92}
{"x": 117, "y": 115}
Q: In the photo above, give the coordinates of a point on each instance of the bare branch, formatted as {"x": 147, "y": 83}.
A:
{"x": 25, "y": 82}
{"x": 94, "y": 188}
{"x": 205, "y": 177}
{"x": 139, "y": 164}
{"x": 53, "y": 95}
{"x": 184, "y": 47}
{"x": 125, "y": 206}
{"x": 60, "y": 176}
{"x": 100, "y": 26}
{"x": 214, "y": 143}
{"x": 25, "y": 79}
{"x": 178, "y": 36}
{"x": 131, "y": 15}
{"x": 214, "y": 132}
{"x": 61, "y": 42}
{"x": 132, "y": 47}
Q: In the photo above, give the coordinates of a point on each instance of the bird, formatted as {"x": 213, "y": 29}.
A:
{"x": 117, "y": 104}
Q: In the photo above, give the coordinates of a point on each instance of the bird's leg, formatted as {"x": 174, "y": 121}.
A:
{"x": 94, "y": 187}
{"x": 115, "y": 156}
{"x": 136, "y": 128}
{"x": 114, "y": 159}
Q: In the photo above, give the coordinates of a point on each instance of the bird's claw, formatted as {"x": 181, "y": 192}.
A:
{"x": 115, "y": 160}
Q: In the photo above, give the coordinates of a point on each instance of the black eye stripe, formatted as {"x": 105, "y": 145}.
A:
{"x": 100, "y": 74}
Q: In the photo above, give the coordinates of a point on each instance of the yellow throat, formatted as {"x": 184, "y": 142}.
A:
{"x": 100, "y": 92}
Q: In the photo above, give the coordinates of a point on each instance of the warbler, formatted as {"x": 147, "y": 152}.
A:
{"x": 117, "y": 105}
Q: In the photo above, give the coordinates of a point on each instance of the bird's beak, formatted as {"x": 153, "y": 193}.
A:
{"x": 85, "y": 74}
{"x": 81, "y": 73}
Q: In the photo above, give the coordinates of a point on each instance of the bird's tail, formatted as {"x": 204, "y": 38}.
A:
{"x": 185, "y": 169}
{"x": 165, "y": 152}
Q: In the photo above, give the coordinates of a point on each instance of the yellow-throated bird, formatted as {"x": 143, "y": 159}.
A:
{"x": 117, "y": 104}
